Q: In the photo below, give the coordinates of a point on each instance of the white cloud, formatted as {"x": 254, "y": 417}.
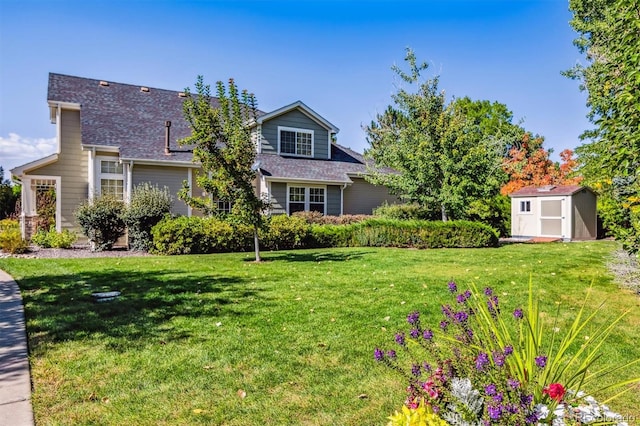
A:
{"x": 16, "y": 150}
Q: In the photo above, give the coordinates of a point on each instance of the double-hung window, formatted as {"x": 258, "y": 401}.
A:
{"x": 111, "y": 179}
{"x": 295, "y": 141}
{"x": 302, "y": 198}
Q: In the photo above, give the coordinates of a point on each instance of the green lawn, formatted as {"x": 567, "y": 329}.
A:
{"x": 296, "y": 333}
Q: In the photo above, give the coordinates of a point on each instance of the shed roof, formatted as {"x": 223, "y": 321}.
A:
{"x": 548, "y": 191}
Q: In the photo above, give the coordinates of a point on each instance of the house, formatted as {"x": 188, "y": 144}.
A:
{"x": 113, "y": 137}
{"x": 567, "y": 212}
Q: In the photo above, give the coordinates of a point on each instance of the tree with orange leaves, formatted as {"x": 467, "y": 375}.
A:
{"x": 529, "y": 165}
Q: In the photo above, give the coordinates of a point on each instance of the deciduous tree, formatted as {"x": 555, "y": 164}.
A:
{"x": 222, "y": 144}
{"x": 609, "y": 36}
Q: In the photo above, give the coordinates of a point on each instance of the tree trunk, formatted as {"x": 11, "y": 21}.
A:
{"x": 444, "y": 213}
{"x": 256, "y": 243}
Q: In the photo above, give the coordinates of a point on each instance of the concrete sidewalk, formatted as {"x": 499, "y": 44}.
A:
{"x": 15, "y": 381}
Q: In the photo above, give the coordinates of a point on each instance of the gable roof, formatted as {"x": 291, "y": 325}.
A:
{"x": 127, "y": 116}
{"x": 299, "y": 105}
{"x": 548, "y": 191}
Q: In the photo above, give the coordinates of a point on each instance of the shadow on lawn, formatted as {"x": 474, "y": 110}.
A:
{"x": 312, "y": 256}
{"x": 60, "y": 307}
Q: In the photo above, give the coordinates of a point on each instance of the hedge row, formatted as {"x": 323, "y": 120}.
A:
{"x": 190, "y": 235}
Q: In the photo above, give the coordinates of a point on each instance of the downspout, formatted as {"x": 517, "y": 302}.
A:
{"x": 342, "y": 188}
{"x": 129, "y": 181}
{"x": 91, "y": 174}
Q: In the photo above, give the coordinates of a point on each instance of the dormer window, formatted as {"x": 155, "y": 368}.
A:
{"x": 298, "y": 142}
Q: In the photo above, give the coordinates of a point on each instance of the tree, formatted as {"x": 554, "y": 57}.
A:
{"x": 609, "y": 159}
{"x": 445, "y": 156}
{"x": 8, "y": 197}
{"x": 528, "y": 164}
{"x": 222, "y": 144}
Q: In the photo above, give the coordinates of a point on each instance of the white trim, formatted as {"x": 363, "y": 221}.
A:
{"x": 102, "y": 148}
{"x": 128, "y": 175}
{"x": 562, "y": 218}
{"x": 65, "y": 105}
{"x": 91, "y": 173}
{"x": 20, "y": 170}
{"x": 307, "y": 196}
{"x": 520, "y": 205}
{"x": 59, "y": 129}
{"x": 144, "y": 162}
{"x": 28, "y": 199}
{"x": 308, "y": 181}
{"x": 296, "y": 130}
{"x": 303, "y": 108}
{"x": 110, "y": 176}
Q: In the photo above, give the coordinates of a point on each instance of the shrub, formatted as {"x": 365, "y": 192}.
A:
{"x": 406, "y": 212}
{"x": 326, "y": 236}
{"x": 11, "y": 240}
{"x": 191, "y": 235}
{"x": 495, "y": 212}
{"x": 101, "y": 221}
{"x": 149, "y": 204}
{"x": 54, "y": 239}
{"x": 317, "y": 218}
{"x": 421, "y": 234}
{"x": 284, "y": 232}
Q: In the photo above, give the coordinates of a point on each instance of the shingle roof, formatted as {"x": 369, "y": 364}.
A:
{"x": 123, "y": 115}
{"x": 344, "y": 163}
{"x": 548, "y": 191}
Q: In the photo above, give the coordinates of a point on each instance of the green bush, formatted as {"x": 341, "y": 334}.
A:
{"x": 149, "y": 204}
{"x": 406, "y": 212}
{"x": 317, "y": 218}
{"x": 54, "y": 239}
{"x": 326, "y": 236}
{"x": 11, "y": 240}
{"x": 495, "y": 212}
{"x": 101, "y": 221}
{"x": 191, "y": 235}
{"x": 284, "y": 232}
{"x": 421, "y": 234}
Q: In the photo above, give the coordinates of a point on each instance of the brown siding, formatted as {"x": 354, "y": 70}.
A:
{"x": 161, "y": 176}
{"x": 584, "y": 216}
{"x": 71, "y": 167}
{"x": 362, "y": 197}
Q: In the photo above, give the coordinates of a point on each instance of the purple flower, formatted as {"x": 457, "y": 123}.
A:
{"x": 461, "y": 299}
{"x": 498, "y": 397}
{"x": 447, "y": 311}
{"x": 513, "y": 384}
{"x": 508, "y": 350}
{"x": 490, "y": 389}
{"x": 494, "y": 412}
{"x": 391, "y": 354}
{"x": 461, "y": 316}
{"x": 541, "y": 361}
{"x": 532, "y": 418}
{"x": 481, "y": 361}
{"x": 400, "y": 339}
{"x": 378, "y": 354}
{"x": 415, "y": 370}
{"x": 526, "y": 400}
{"x": 426, "y": 366}
{"x": 413, "y": 317}
{"x": 488, "y": 291}
{"x": 414, "y": 333}
{"x": 518, "y": 314}
{"x": 427, "y": 335}
{"x": 444, "y": 325}
{"x": 498, "y": 358}
{"x": 452, "y": 286}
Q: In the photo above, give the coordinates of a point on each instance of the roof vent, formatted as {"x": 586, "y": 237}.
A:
{"x": 546, "y": 188}
{"x": 104, "y": 83}
{"x": 144, "y": 89}
{"x": 182, "y": 94}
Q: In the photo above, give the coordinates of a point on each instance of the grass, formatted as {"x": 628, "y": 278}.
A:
{"x": 191, "y": 335}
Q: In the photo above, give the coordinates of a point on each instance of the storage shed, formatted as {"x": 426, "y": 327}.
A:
{"x": 563, "y": 211}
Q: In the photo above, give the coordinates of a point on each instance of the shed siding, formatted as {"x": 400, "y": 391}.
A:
{"x": 584, "y": 216}
{"x": 171, "y": 177}
{"x": 278, "y": 198}
{"x": 524, "y": 224}
{"x": 298, "y": 120}
{"x": 333, "y": 200}
{"x": 362, "y": 197}
{"x": 72, "y": 167}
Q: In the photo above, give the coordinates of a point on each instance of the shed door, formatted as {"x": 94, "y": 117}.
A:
{"x": 552, "y": 217}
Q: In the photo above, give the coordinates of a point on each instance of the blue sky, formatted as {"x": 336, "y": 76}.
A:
{"x": 335, "y": 56}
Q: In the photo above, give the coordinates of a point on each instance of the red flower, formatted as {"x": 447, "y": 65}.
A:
{"x": 555, "y": 391}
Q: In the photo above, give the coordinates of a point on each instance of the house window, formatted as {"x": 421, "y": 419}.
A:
{"x": 525, "y": 206}
{"x": 295, "y": 141}
{"x": 224, "y": 207}
{"x": 306, "y": 199}
{"x": 111, "y": 179}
